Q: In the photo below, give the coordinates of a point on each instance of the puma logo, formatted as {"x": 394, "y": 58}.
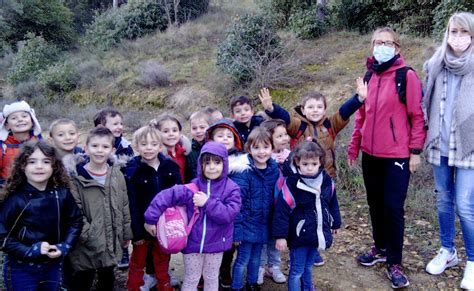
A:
{"x": 400, "y": 165}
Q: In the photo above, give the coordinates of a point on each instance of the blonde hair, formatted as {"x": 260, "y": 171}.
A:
{"x": 143, "y": 132}
{"x": 200, "y": 115}
{"x": 61, "y": 121}
{"x": 463, "y": 19}
{"x": 395, "y": 36}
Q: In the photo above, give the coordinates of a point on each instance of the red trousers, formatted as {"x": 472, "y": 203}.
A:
{"x": 138, "y": 262}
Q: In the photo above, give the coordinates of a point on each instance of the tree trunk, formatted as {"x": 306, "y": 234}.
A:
{"x": 115, "y": 4}
{"x": 321, "y": 5}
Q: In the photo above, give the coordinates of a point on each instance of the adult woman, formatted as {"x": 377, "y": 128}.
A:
{"x": 450, "y": 140}
{"x": 390, "y": 132}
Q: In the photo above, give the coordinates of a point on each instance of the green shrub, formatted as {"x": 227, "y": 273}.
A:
{"x": 444, "y": 11}
{"x": 251, "y": 44}
{"x": 280, "y": 11}
{"x": 191, "y": 9}
{"x": 50, "y": 19}
{"x": 35, "y": 55}
{"x": 60, "y": 77}
{"x": 306, "y": 23}
{"x": 129, "y": 21}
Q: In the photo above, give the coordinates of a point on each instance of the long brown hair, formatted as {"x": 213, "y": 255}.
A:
{"x": 17, "y": 179}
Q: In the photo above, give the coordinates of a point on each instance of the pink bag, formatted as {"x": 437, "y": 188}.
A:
{"x": 173, "y": 227}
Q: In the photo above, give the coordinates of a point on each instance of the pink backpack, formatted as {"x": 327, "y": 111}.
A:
{"x": 173, "y": 227}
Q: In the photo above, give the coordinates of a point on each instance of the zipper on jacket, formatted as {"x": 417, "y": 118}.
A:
{"x": 393, "y": 130}
{"x": 375, "y": 114}
{"x": 205, "y": 219}
{"x": 59, "y": 215}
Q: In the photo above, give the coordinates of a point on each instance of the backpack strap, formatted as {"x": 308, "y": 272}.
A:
{"x": 401, "y": 83}
{"x": 367, "y": 76}
{"x": 194, "y": 188}
{"x": 282, "y": 188}
{"x": 299, "y": 133}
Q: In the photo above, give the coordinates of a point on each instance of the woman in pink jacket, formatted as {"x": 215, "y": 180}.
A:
{"x": 389, "y": 130}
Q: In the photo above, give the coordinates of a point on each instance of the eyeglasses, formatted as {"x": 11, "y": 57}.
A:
{"x": 388, "y": 43}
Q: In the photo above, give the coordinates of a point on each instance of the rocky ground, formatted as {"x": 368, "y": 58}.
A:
{"x": 341, "y": 272}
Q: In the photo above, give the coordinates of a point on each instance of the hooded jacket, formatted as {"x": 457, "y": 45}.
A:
{"x": 106, "y": 219}
{"x": 213, "y": 230}
{"x": 50, "y": 215}
{"x": 382, "y": 125}
{"x": 143, "y": 183}
{"x": 226, "y": 123}
{"x": 324, "y": 131}
{"x": 304, "y": 214}
{"x": 252, "y": 224}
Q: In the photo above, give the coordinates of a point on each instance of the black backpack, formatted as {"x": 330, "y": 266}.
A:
{"x": 400, "y": 82}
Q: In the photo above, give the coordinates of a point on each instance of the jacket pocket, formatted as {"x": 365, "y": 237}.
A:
{"x": 392, "y": 129}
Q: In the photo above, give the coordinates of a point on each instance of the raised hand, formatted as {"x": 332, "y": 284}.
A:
{"x": 199, "y": 199}
{"x": 361, "y": 89}
{"x": 266, "y": 99}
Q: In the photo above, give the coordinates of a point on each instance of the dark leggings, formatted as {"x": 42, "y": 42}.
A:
{"x": 83, "y": 280}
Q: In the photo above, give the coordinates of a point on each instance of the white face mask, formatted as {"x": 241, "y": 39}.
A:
{"x": 383, "y": 53}
{"x": 459, "y": 43}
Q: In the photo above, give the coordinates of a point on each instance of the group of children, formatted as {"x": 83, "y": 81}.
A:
{"x": 68, "y": 215}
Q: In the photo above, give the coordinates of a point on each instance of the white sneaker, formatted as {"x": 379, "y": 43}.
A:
{"x": 468, "y": 278}
{"x": 276, "y": 274}
{"x": 443, "y": 260}
{"x": 150, "y": 282}
{"x": 261, "y": 273}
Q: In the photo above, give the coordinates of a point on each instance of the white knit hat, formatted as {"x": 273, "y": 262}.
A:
{"x": 15, "y": 107}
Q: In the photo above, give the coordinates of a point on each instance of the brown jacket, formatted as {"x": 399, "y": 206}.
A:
{"x": 106, "y": 219}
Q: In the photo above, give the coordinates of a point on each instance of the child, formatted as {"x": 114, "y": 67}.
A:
{"x": 100, "y": 191}
{"x": 245, "y": 120}
{"x": 309, "y": 120}
{"x": 177, "y": 146}
{"x": 306, "y": 212}
{"x": 113, "y": 120}
{"x": 146, "y": 175}
{"x": 64, "y": 136}
{"x": 280, "y": 139}
{"x": 199, "y": 122}
{"x": 18, "y": 126}
{"x": 214, "y": 113}
{"x": 224, "y": 132}
{"x": 39, "y": 219}
{"x": 218, "y": 201}
{"x": 257, "y": 178}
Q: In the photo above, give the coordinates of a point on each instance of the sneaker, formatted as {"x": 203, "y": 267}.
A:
{"x": 319, "y": 261}
{"x": 372, "y": 257}
{"x": 468, "y": 278}
{"x": 149, "y": 282}
{"x": 225, "y": 281}
{"x": 443, "y": 260}
{"x": 261, "y": 273}
{"x": 275, "y": 273}
{"x": 397, "y": 277}
{"x": 173, "y": 280}
{"x": 123, "y": 264}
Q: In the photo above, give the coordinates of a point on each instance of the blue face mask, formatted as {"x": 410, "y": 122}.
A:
{"x": 383, "y": 53}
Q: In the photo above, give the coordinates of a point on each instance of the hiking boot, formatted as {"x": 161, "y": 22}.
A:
{"x": 372, "y": 257}
{"x": 261, "y": 273}
{"x": 275, "y": 273}
{"x": 225, "y": 280}
{"x": 397, "y": 277}
{"x": 468, "y": 278}
{"x": 123, "y": 264}
{"x": 443, "y": 260}
{"x": 319, "y": 261}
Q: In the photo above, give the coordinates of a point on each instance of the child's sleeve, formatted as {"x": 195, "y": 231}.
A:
{"x": 340, "y": 119}
{"x": 224, "y": 211}
{"x": 241, "y": 179}
{"x": 292, "y": 122}
{"x": 73, "y": 219}
{"x": 356, "y": 139}
{"x": 177, "y": 195}
{"x": 334, "y": 209}
{"x": 281, "y": 217}
{"x": 127, "y": 230}
{"x": 77, "y": 195}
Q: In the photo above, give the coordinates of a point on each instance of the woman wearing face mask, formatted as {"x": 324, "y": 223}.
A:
{"x": 448, "y": 105}
{"x": 390, "y": 133}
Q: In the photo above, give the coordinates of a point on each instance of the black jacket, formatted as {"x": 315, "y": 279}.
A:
{"x": 244, "y": 131}
{"x": 48, "y": 216}
{"x": 143, "y": 183}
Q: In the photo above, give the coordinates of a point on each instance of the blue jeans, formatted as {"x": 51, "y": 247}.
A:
{"x": 455, "y": 192}
{"x": 26, "y": 277}
{"x": 270, "y": 255}
{"x": 248, "y": 257}
{"x": 301, "y": 267}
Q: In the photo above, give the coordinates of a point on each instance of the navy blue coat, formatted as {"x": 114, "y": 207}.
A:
{"x": 245, "y": 130}
{"x": 143, "y": 183}
{"x": 252, "y": 224}
{"x": 305, "y": 215}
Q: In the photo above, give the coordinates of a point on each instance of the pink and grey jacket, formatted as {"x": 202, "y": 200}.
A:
{"x": 384, "y": 126}
{"x": 213, "y": 230}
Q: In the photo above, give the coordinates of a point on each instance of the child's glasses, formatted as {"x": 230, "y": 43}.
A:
{"x": 388, "y": 43}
